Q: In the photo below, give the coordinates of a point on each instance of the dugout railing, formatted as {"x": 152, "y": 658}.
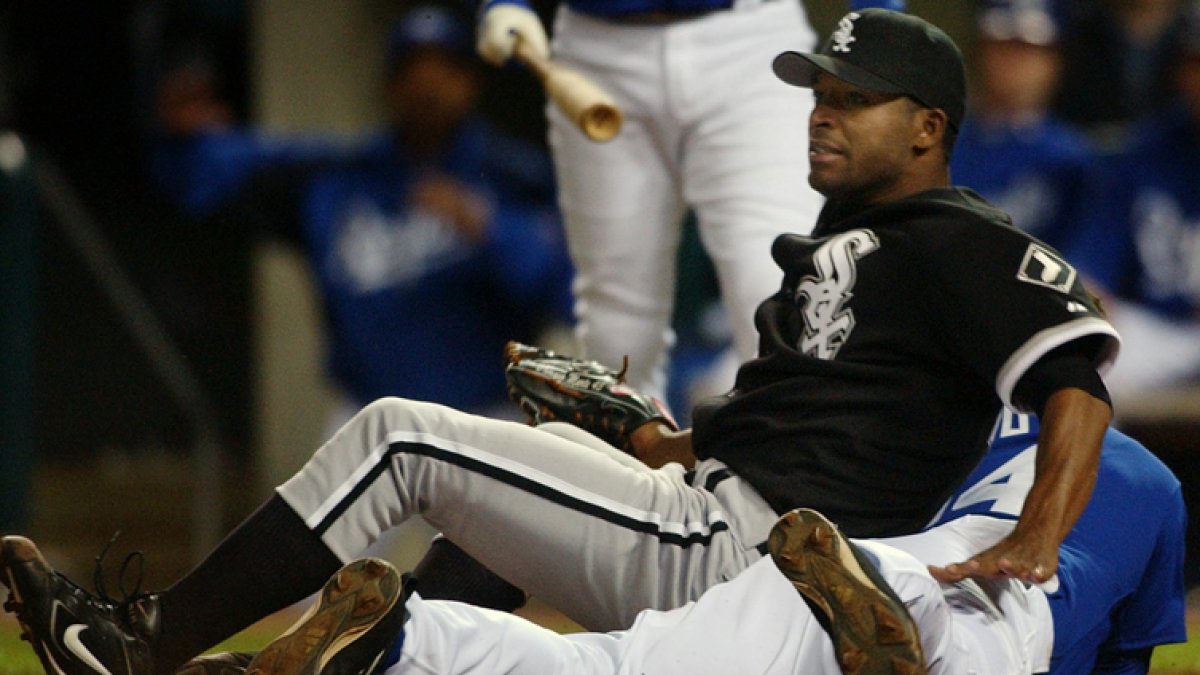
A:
{"x": 167, "y": 361}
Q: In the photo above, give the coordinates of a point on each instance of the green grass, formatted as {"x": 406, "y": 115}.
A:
{"x": 17, "y": 657}
{"x": 1183, "y": 658}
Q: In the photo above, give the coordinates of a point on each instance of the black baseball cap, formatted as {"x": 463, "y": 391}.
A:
{"x": 891, "y": 52}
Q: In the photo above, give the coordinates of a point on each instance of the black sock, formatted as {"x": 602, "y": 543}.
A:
{"x": 269, "y": 562}
{"x": 448, "y": 573}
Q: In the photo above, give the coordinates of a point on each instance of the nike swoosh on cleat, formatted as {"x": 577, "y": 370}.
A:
{"x": 73, "y": 644}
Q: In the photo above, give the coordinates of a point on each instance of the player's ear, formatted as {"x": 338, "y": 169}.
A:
{"x": 930, "y": 128}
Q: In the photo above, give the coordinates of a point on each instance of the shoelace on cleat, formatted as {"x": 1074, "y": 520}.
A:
{"x": 98, "y": 575}
{"x": 126, "y": 610}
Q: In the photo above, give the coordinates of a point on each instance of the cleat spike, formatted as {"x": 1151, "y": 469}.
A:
{"x": 889, "y": 629}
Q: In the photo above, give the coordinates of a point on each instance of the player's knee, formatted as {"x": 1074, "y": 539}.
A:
{"x": 388, "y": 412}
{"x": 395, "y": 413}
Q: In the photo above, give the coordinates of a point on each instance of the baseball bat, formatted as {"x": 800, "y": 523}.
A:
{"x": 580, "y": 99}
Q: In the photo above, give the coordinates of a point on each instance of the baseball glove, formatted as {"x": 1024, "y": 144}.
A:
{"x": 548, "y": 386}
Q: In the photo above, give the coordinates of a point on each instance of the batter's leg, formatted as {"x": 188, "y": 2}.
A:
{"x": 745, "y": 171}
{"x": 624, "y": 257}
{"x": 621, "y": 200}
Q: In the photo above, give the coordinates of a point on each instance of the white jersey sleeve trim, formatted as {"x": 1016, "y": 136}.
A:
{"x": 1046, "y": 340}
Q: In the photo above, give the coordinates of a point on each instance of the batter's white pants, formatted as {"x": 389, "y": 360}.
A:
{"x": 577, "y": 523}
{"x": 707, "y": 125}
{"x": 756, "y": 624}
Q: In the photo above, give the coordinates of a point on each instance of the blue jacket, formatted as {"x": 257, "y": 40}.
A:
{"x": 1140, "y": 236}
{"x": 414, "y": 309}
{"x": 1035, "y": 172}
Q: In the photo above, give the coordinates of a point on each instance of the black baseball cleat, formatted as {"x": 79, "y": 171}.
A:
{"x": 221, "y": 663}
{"x": 872, "y": 632}
{"x": 73, "y": 631}
{"x": 348, "y": 631}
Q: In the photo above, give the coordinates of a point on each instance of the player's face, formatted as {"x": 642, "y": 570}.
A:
{"x": 860, "y": 141}
{"x": 1017, "y": 77}
{"x": 432, "y": 92}
{"x": 1187, "y": 81}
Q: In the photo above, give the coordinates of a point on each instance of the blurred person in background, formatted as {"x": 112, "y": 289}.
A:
{"x": 1116, "y": 56}
{"x": 1139, "y": 243}
{"x": 433, "y": 241}
{"x": 1012, "y": 148}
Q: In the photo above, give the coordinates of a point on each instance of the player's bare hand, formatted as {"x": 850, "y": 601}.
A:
{"x": 454, "y": 203}
{"x": 1029, "y": 559}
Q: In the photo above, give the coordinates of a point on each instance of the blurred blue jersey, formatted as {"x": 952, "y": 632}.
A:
{"x": 414, "y": 307}
{"x": 1034, "y": 171}
{"x": 1140, "y": 235}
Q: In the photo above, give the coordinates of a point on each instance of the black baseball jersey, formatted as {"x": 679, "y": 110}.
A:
{"x": 885, "y": 357}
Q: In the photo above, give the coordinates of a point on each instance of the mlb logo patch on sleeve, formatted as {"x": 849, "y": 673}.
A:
{"x": 1043, "y": 267}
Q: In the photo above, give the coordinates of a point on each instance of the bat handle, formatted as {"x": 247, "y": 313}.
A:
{"x": 523, "y": 53}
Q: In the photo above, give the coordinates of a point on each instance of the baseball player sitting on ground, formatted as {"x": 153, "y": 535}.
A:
{"x": 914, "y": 313}
{"x": 1118, "y": 593}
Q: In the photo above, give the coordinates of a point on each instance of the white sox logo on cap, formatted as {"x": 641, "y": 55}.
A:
{"x": 842, "y": 37}
{"x": 888, "y": 52}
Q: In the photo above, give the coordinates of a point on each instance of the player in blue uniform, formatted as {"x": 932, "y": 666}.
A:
{"x": 1012, "y": 149}
{"x": 1139, "y": 239}
{"x": 432, "y": 240}
{"x": 1120, "y": 587}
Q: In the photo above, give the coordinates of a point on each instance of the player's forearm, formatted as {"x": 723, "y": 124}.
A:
{"x": 1073, "y": 424}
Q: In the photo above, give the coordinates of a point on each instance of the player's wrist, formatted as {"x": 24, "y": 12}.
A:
{"x": 657, "y": 443}
{"x": 647, "y": 435}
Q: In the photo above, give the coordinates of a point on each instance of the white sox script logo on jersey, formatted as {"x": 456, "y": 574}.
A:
{"x": 842, "y": 37}
{"x": 827, "y": 323}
